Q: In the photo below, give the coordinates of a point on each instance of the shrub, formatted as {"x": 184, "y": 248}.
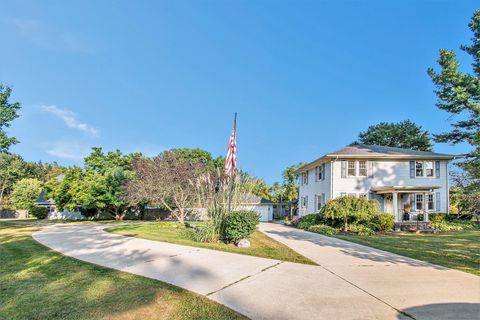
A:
{"x": 456, "y": 225}
{"x": 323, "y": 229}
{"x": 437, "y": 217}
{"x": 307, "y": 221}
{"x": 381, "y": 222}
{"x": 39, "y": 212}
{"x": 203, "y": 233}
{"x": 240, "y": 224}
{"x": 348, "y": 210}
{"x": 361, "y": 230}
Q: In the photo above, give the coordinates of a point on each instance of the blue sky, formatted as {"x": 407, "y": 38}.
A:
{"x": 304, "y": 76}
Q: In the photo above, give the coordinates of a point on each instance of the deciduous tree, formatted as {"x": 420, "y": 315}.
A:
{"x": 8, "y": 112}
{"x": 25, "y": 192}
{"x": 405, "y": 134}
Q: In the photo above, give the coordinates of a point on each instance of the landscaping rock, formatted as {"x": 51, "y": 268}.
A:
{"x": 243, "y": 243}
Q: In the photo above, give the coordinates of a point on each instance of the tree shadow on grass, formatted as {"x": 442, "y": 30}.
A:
{"x": 38, "y": 283}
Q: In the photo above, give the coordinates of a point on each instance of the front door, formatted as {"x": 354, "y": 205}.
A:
{"x": 388, "y": 204}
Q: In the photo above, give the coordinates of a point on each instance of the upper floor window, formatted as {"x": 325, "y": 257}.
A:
{"x": 321, "y": 172}
{"x": 304, "y": 178}
{"x": 352, "y": 168}
{"x": 424, "y": 169}
{"x": 362, "y": 168}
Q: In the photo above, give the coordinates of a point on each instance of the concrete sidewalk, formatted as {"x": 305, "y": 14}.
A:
{"x": 344, "y": 286}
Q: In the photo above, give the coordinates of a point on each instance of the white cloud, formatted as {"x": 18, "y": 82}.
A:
{"x": 69, "y": 150}
{"x": 70, "y": 119}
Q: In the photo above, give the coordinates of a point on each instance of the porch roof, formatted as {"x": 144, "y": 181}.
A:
{"x": 403, "y": 189}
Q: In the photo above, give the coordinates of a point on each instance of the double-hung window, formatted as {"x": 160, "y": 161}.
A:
{"x": 304, "y": 202}
{"x": 320, "y": 172}
{"x": 362, "y": 168}
{"x": 419, "y": 201}
{"x": 318, "y": 200}
{"x": 419, "y": 169}
{"x": 352, "y": 168}
{"x": 430, "y": 202}
{"x": 305, "y": 178}
{"x": 424, "y": 169}
{"x": 429, "y": 169}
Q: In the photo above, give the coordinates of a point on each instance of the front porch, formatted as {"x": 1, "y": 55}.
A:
{"x": 408, "y": 204}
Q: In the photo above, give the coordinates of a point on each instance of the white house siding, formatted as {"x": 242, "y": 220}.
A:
{"x": 385, "y": 173}
{"x": 390, "y": 173}
{"x": 315, "y": 187}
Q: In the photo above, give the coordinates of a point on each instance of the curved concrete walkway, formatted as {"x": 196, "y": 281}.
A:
{"x": 351, "y": 281}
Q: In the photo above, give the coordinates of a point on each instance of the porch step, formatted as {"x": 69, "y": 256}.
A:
{"x": 421, "y": 226}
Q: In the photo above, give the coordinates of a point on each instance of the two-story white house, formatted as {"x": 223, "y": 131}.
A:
{"x": 400, "y": 180}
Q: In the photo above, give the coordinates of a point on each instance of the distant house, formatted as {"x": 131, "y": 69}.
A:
{"x": 42, "y": 201}
{"x": 407, "y": 183}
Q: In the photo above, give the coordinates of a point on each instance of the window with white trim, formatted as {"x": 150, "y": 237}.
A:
{"x": 362, "y": 168}
{"x": 429, "y": 169}
{"x": 424, "y": 169}
{"x": 419, "y": 202}
{"x": 318, "y": 201}
{"x": 305, "y": 178}
{"x": 304, "y": 202}
{"x": 351, "y": 168}
{"x": 419, "y": 169}
{"x": 431, "y": 201}
{"x": 320, "y": 172}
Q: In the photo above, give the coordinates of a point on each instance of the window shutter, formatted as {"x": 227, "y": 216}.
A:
{"x": 316, "y": 174}
{"x": 323, "y": 171}
{"x": 306, "y": 201}
{"x": 437, "y": 202}
{"x": 412, "y": 169}
{"x": 437, "y": 169}
{"x": 370, "y": 169}
{"x": 413, "y": 203}
{"x": 343, "y": 194}
{"x": 344, "y": 168}
{"x": 323, "y": 199}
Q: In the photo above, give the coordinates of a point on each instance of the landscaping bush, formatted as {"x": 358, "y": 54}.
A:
{"x": 240, "y": 224}
{"x": 343, "y": 211}
{"x": 456, "y": 225}
{"x": 323, "y": 229}
{"x": 361, "y": 230}
{"x": 202, "y": 233}
{"x": 437, "y": 217}
{"x": 39, "y": 212}
{"x": 307, "y": 221}
{"x": 382, "y": 222}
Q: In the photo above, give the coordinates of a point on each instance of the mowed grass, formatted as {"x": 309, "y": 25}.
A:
{"x": 37, "y": 283}
{"x": 261, "y": 244}
{"x": 457, "y": 250}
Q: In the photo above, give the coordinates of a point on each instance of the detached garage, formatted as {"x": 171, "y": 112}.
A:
{"x": 255, "y": 203}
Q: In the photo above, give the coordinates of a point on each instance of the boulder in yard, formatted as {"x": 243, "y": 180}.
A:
{"x": 243, "y": 243}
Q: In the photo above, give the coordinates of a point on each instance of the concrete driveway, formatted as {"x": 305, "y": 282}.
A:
{"x": 351, "y": 281}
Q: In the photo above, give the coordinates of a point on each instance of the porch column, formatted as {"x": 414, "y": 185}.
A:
{"x": 425, "y": 206}
{"x": 395, "y": 206}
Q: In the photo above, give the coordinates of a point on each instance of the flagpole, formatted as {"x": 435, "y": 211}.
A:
{"x": 233, "y": 175}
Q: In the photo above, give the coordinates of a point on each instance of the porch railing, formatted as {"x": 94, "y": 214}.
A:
{"x": 420, "y": 216}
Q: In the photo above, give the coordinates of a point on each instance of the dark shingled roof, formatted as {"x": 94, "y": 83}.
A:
{"x": 374, "y": 151}
{"x": 364, "y": 150}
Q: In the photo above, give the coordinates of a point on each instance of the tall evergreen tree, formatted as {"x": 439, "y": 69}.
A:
{"x": 459, "y": 94}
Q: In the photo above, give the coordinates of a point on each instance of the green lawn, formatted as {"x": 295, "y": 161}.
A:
{"x": 261, "y": 245}
{"x": 457, "y": 250}
{"x": 37, "y": 283}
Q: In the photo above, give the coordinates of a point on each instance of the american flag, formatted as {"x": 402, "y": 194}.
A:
{"x": 231, "y": 159}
